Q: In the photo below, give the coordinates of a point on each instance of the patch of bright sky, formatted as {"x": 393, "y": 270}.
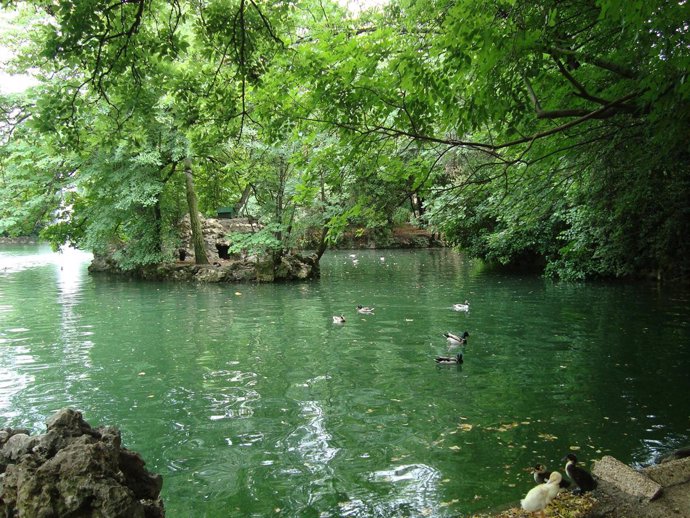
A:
{"x": 357, "y": 6}
{"x": 10, "y": 83}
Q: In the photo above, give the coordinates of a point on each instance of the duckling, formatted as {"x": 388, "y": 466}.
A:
{"x": 455, "y": 339}
{"x": 540, "y": 496}
{"x": 541, "y": 476}
{"x": 580, "y": 476}
{"x": 462, "y": 307}
{"x": 338, "y": 319}
{"x": 449, "y": 360}
{"x": 364, "y": 310}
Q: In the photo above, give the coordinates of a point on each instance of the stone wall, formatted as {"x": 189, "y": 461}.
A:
{"x": 215, "y": 232}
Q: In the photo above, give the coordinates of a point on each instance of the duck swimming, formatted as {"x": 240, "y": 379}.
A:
{"x": 462, "y": 307}
{"x": 580, "y": 476}
{"x": 541, "y": 476}
{"x": 364, "y": 310}
{"x": 540, "y": 496}
{"x": 338, "y": 319}
{"x": 449, "y": 360}
{"x": 455, "y": 339}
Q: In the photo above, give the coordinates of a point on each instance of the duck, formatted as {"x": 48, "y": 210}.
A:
{"x": 364, "y": 310}
{"x": 338, "y": 319}
{"x": 462, "y": 307}
{"x": 449, "y": 360}
{"x": 541, "y": 476}
{"x": 580, "y": 476}
{"x": 456, "y": 339}
{"x": 540, "y": 496}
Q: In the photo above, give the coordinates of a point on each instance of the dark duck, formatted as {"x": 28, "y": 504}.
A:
{"x": 541, "y": 476}
{"x": 581, "y": 477}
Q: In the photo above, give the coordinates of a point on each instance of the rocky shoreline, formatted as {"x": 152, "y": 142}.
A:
{"x": 75, "y": 470}
{"x": 658, "y": 491}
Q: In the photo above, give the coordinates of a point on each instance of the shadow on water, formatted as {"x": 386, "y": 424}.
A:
{"x": 249, "y": 400}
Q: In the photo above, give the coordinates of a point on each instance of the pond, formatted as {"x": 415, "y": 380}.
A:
{"x": 250, "y": 401}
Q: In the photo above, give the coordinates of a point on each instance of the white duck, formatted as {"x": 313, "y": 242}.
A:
{"x": 540, "y": 496}
{"x": 338, "y": 319}
{"x": 462, "y": 307}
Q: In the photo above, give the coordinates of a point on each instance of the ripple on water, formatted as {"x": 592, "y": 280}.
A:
{"x": 252, "y": 402}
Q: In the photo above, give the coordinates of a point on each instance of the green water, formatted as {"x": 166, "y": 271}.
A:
{"x": 251, "y": 402}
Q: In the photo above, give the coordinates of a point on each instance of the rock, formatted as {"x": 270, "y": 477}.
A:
{"x": 678, "y": 454}
{"x": 76, "y": 470}
{"x": 16, "y": 446}
{"x": 670, "y": 473}
{"x": 626, "y": 478}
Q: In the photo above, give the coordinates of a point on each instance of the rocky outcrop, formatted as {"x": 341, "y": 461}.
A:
{"x": 224, "y": 267}
{"x": 288, "y": 268}
{"x": 217, "y": 235}
{"x": 74, "y": 470}
{"x": 20, "y": 240}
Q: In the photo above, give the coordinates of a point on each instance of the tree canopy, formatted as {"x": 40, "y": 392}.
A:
{"x": 550, "y": 133}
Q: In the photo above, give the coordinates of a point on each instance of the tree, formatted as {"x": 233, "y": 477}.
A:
{"x": 551, "y": 132}
{"x": 139, "y": 86}
{"x": 528, "y": 105}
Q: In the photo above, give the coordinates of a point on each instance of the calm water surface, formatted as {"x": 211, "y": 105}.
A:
{"x": 251, "y": 402}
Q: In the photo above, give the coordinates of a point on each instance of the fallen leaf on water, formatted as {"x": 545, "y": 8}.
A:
{"x": 503, "y": 427}
{"x": 465, "y": 427}
{"x": 548, "y": 436}
{"x": 454, "y": 448}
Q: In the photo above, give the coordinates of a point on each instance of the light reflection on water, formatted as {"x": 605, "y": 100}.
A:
{"x": 248, "y": 399}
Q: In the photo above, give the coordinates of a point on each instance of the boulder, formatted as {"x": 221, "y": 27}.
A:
{"x": 75, "y": 470}
{"x": 626, "y": 478}
{"x": 670, "y": 473}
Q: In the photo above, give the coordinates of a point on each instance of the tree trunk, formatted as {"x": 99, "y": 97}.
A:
{"x": 243, "y": 200}
{"x": 197, "y": 234}
{"x": 323, "y": 246}
{"x": 158, "y": 222}
{"x": 322, "y": 243}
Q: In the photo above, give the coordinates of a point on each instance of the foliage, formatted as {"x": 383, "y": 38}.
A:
{"x": 550, "y": 133}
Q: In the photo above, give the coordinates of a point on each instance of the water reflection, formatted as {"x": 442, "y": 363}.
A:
{"x": 247, "y": 399}
{"x": 27, "y": 317}
{"x": 412, "y": 489}
{"x": 311, "y": 440}
{"x": 74, "y": 333}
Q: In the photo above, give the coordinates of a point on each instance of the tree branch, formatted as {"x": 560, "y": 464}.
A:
{"x": 601, "y": 63}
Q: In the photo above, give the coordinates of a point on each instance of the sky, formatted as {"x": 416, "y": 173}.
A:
{"x": 10, "y": 83}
